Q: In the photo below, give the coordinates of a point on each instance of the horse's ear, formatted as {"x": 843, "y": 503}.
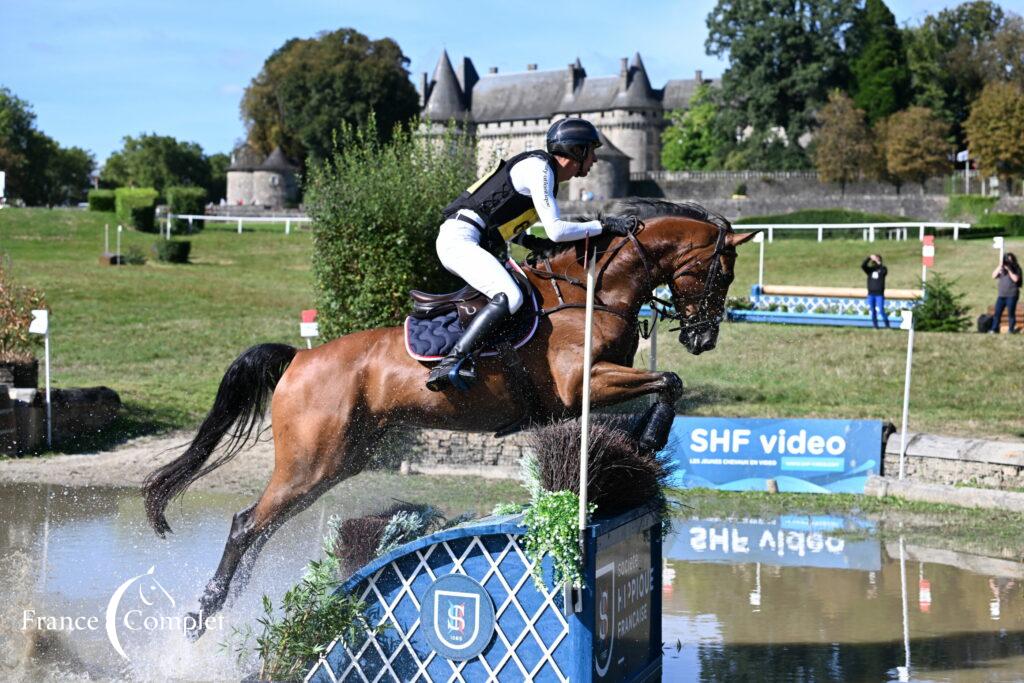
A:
{"x": 736, "y": 239}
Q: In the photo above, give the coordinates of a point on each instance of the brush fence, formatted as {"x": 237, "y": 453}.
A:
{"x": 460, "y": 605}
{"x": 837, "y": 306}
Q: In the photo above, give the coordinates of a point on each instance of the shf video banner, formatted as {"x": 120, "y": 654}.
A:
{"x": 802, "y": 456}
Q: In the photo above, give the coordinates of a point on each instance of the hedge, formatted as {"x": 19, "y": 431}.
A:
{"x": 186, "y": 200}
{"x": 376, "y": 209}
{"x": 101, "y": 200}
{"x": 172, "y": 251}
{"x": 136, "y": 207}
{"x": 970, "y": 207}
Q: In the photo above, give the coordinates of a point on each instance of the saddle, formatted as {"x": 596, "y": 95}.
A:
{"x": 465, "y": 302}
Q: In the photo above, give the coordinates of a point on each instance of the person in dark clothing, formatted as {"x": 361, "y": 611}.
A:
{"x": 876, "y": 273}
{"x": 1009, "y": 275}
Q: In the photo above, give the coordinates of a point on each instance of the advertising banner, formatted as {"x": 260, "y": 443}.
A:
{"x": 801, "y": 456}
{"x": 822, "y": 541}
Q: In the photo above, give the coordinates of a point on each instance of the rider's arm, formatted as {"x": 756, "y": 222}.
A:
{"x": 532, "y": 176}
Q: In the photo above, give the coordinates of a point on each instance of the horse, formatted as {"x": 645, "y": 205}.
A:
{"x": 332, "y": 403}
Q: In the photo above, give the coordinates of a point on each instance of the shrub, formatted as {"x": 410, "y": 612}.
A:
{"x": 942, "y": 309}
{"x": 172, "y": 251}
{"x": 136, "y": 207}
{"x": 969, "y": 207}
{"x": 134, "y": 256}
{"x": 741, "y": 190}
{"x": 186, "y": 200}
{"x": 16, "y": 306}
{"x": 376, "y": 208}
{"x": 101, "y": 200}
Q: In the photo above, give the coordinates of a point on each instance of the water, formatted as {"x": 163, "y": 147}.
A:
{"x": 789, "y": 599}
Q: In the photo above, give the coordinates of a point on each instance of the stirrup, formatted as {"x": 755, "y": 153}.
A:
{"x": 457, "y": 379}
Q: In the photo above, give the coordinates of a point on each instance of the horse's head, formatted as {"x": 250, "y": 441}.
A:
{"x": 699, "y": 265}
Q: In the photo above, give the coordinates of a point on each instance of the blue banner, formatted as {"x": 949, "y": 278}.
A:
{"x": 790, "y": 540}
{"x": 802, "y": 456}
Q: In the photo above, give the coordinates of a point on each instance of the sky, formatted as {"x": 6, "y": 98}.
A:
{"x": 96, "y": 71}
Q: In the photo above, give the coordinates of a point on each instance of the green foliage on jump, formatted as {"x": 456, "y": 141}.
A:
{"x": 943, "y": 309}
{"x": 186, "y": 200}
{"x": 136, "y": 207}
{"x": 552, "y": 524}
{"x": 101, "y": 200}
{"x": 376, "y": 208}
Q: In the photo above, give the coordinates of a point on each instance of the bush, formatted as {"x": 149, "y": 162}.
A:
{"x": 136, "y": 207}
{"x": 969, "y": 207}
{"x": 16, "y": 306}
{"x": 172, "y": 251}
{"x": 101, "y": 200}
{"x": 741, "y": 190}
{"x": 942, "y": 309}
{"x": 134, "y": 256}
{"x": 186, "y": 200}
{"x": 376, "y": 208}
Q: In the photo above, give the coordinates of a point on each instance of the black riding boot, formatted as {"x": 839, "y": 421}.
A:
{"x": 486, "y": 321}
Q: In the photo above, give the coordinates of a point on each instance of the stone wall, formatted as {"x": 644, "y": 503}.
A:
{"x": 439, "y": 451}
{"x": 957, "y": 461}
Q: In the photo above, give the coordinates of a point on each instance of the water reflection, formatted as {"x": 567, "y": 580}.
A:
{"x": 814, "y": 599}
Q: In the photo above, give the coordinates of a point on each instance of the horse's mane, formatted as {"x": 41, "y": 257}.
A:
{"x": 644, "y": 208}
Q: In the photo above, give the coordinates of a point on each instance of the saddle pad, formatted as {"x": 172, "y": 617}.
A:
{"x": 432, "y": 339}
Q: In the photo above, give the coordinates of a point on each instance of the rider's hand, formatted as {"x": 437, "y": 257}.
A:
{"x": 618, "y": 225}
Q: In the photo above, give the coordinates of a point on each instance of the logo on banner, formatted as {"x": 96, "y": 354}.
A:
{"x": 605, "y": 642}
{"x": 459, "y": 617}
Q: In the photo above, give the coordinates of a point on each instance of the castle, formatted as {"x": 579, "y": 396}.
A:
{"x": 252, "y": 180}
{"x": 510, "y": 113}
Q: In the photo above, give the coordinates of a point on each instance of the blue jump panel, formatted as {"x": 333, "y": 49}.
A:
{"x": 460, "y": 605}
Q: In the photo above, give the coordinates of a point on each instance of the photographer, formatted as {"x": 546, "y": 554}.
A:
{"x": 876, "y": 273}
{"x": 1008, "y": 275}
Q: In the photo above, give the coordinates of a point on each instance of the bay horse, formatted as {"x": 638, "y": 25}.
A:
{"x": 332, "y": 404}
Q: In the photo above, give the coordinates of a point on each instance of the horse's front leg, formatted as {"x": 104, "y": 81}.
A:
{"x": 611, "y": 384}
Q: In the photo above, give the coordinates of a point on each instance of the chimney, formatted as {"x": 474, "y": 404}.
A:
{"x": 624, "y": 73}
{"x": 423, "y": 89}
{"x": 699, "y": 77}
{"x": 492, "y": 70}
{"x": 531, "y": 67}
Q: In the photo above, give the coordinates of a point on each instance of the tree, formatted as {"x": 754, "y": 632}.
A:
{"x": 880, "y": 79}
{"x": 843, "y": 150}
{"x": 156, "y": 161}
{"x": 17, "y": 125}
{"x": 946, "y": 58}
{"x": 693, "y": 140}
{"x": 68, "y": 175}
{"x": 308, "y": 87}
{"x": 995, "y": 130}
{"x": 784, "y": 58}
{"x": 218, "y": 187}
{"x": 916, "y": 146}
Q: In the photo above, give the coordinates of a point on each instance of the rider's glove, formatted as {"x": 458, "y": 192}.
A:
{"x": 618, "y": 225}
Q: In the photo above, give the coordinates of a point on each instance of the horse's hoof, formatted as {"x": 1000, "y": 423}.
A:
{"x": 673, "y": 386}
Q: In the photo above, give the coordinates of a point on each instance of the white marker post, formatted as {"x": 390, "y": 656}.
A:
{"x": 120, "y": 229}
{"x": 41, "y": 325}
{"x": 964, "y": 156}
{"x": 759, "y": 238}
{"x": 309, "y": 327}
{"x": 588, "y": 326}
{"x": 927, "y": 257}
{"x": 906, "y": 324}
{"x": 106, "y": 238}
{"x": 3, "y": 185}
{"x": 997, "y": 243}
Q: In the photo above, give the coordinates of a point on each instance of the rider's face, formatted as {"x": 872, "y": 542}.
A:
{"x": 588, "y": 161}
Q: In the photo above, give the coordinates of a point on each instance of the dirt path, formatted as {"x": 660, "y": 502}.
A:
{"x": 129, "y": 463}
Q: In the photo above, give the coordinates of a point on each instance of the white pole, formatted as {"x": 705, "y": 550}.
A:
{"x": 585, "y": 416}
{"x": 924, "y": 274}
{"x": 920, "y": 233}
{"x": 654, "y": 341}
{"x": 49, "y": 406}
{"x": 760, "y": 261}
{"x": 239, "y": 226}
{"x": 904, "y": 671}
{"x": 287, "y": 227}
{"x": 967, "y": 176}
{"x": 119, "y": 229}
{"x": 908, "y": 324}
{"x": 106, "y": 238}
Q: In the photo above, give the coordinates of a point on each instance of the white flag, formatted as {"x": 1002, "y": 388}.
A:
{"x": 40, "y": 322}
{"x": 997, "y": 242}
{"x": 961, "y": 156}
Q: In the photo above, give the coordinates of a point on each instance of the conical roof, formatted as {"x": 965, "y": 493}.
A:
{"x": 607, "y": 150}
{"x": 245, "y": 158}
{"x": 446, "y": 100}
{"x": 639, "y": 92}
{"x": 277, "y": 161}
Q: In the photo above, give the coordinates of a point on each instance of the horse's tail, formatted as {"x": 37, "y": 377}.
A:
{"x": 238, "y": 410}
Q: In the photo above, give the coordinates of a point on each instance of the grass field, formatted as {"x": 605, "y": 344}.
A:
{"x": 162, "y": 335}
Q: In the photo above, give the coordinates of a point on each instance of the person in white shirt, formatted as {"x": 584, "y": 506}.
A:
{"x": 497, "y": 208}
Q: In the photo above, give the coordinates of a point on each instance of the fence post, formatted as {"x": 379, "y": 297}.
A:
{"x": 920, "y": 233}
{"x": 287, "y": 227}
{"x": 821, "y": 232}
{"x": 956, "y": 231}
{"x": 239, "y": 226}
{"x": 771, "y": 233}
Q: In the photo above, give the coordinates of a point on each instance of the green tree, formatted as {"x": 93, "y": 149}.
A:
{"x": 945, "y": 55}
{"x": 916, "y": 145}
{"x": 308, "y": 87}
{"x": 156, "y": 161}
{"x": 843, "y": 149}
{"x": 784, "y": 58}
{"x": 68, "y": 175}
{"x": 995, "y": 130}
{"x": 218, "y": 187}
{"x": 880, "y": 79}
{"x": 693, "y": 141}
{"x": 17, "y": 125}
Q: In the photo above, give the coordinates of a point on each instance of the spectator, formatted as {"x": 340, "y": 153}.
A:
{"x": 1008, "y": 275}
{"x": 876, "y": 273}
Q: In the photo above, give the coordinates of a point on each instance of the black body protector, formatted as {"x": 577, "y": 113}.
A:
{"x": 505, "y": 212}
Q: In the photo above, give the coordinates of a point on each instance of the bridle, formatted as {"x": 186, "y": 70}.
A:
{"x": 701, "y": 320}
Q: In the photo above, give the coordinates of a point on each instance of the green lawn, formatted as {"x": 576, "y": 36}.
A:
{"x": 162, "y": 335}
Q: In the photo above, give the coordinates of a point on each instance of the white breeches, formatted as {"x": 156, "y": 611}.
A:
{"x": 458, "y": 247}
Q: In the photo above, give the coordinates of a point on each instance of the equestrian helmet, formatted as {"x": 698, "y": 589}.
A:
{"x": 572, "y": 138}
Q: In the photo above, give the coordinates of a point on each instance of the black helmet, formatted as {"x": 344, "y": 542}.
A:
{"x": 572, "y": 138}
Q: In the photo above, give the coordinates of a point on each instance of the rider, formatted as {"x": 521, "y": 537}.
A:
{"x": 496, "y": 209}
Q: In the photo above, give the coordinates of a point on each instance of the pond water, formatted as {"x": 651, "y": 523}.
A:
{"x": 84, "y": 583}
